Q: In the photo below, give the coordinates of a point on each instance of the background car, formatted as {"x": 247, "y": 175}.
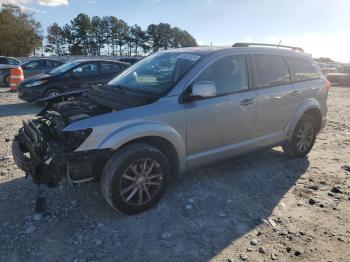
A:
{"x": 9, "y": 61}
{"x": 30, "y": 68}
{"x": 342, "y": 77}
{"x": 75, "y": 75}
{"x": 130, "y": 60}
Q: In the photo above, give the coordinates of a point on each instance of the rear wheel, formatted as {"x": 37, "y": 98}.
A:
{"x": 303, "y": 138}
{"x": 135, "y": 178}
{"x": 52, "y": 92}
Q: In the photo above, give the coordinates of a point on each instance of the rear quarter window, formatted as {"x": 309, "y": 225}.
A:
{"x": 303, "y": 69}
{"x": 270, "y": 70}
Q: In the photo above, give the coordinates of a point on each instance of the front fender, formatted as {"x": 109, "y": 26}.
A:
{"x": 308, "y": 104}
{"x": 133, "y": 131}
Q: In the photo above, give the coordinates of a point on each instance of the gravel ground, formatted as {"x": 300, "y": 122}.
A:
{"x": 259, "y": 207}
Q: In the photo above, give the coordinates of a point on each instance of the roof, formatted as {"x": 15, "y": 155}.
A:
{"x": 206, "y": 50}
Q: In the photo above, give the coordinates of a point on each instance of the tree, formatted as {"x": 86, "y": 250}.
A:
{"x": 55, "y": 40}
{"x": 81, "y": 28}
{"x": 19, "y": 32}
{"x": 68, "y": 36}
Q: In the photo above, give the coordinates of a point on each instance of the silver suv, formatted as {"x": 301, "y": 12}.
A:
{"x": 171, "y": 112}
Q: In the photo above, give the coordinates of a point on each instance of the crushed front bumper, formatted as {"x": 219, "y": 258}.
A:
{"x": 49, "y": 164}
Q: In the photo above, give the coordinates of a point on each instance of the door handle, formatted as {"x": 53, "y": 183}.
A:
{"x": 296, "y": 92}
{"x": 247, "y": 102}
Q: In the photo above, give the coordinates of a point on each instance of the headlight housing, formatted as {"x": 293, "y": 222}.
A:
{"x": 36, "y": 83}
{"x": 76, "y": 138}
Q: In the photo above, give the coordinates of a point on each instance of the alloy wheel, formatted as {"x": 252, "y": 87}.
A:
{"x": 141, "y": 181}
{"x": 305, "y": 137}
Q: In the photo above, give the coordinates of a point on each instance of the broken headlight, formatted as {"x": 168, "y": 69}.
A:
{"x": 76, "y": 138}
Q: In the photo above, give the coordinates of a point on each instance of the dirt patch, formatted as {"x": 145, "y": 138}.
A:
{"x": 259, "y": 207}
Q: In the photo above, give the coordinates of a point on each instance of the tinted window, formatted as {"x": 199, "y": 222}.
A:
{"x": 52, "y": 63}
{"x": 35, "y": 64}
{"x": 303, "y": 69}
{"x": 229, "y": 74}
{"x": 110, "y": 68}
{"x": 3, "y": 60}
{"x": 86, "y": 70}
{"x": 270, "y": 70}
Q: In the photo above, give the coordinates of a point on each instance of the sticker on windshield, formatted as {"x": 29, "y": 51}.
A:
{"x": 189, "y": 57}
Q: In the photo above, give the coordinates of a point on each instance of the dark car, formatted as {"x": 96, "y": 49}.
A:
{"x": 130, "y": 61}
{"x": 75, "y": 75}
{"x": 342, "y": 77}
{"x": 30, "y": 68}
{"x": 9, "y": 61}
{"x": 5, "y": 63}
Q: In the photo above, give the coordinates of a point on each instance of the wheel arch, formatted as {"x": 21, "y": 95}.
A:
{"x": 310, "y": 107}
{"x": 156, "y": 134}
{"x": 53, "y": 86}
{"x": 163, "y": 145}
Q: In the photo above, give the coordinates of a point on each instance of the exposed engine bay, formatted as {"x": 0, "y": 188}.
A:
{"x": 43, "y": 150}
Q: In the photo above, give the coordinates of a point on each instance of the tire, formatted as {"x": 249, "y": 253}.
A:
{"x": 119, "y": 180}
{"x": 52, "y": 92}
{"x": 295, "y": 147}
{"x": 7, "y": 80}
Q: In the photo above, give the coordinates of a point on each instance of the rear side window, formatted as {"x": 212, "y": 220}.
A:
{"x": 12, "y": 61}
{"x": 303, "y": 69}
{"x": 110, "y": 68}
{"x": 270, "y": 70}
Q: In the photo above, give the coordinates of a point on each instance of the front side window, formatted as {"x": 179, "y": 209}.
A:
{"x": 157, "y": 74}
{"x": 229, "y": 74}
{"x": 86, "y": 70}
{"x": 110, "y": 68}
{"x": 64, "y": 68}
{"x": 270, "y": 70}
{"x": 303, "y": 69}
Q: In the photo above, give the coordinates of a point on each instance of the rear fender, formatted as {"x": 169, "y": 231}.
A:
{"x": 308, "y": 104}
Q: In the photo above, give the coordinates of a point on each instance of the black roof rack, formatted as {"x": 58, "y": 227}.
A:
{"x": 259, "y": 44}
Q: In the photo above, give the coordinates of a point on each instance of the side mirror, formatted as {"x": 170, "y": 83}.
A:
{"x": 203, "y": 89}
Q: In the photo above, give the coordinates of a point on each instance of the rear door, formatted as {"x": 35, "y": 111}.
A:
{"x": 108, "y": 71}
{"x": 219, "y": 126}
{"x": 84, "y": 76}
{"x": 278, "y": 97}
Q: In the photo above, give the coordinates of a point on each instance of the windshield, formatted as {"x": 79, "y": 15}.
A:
{"x": 64, "y": 68}
{"x": 157, "y": 74}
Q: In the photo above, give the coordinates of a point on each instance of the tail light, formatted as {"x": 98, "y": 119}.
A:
{"x": 328, "y": 85}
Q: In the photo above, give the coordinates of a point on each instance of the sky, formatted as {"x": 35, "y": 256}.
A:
{"x": 321, "y": 27}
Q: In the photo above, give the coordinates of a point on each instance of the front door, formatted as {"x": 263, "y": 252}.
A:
{"x": 219, "y": 126}
{"x": 84, "y": 76}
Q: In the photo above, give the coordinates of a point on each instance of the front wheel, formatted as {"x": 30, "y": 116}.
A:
{"x": 303, "y": 138}
{"x": 52, "y": 92}
{"x": 135, "y": 178}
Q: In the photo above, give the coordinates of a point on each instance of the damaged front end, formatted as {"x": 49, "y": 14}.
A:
{"x": 47, "y": 153}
